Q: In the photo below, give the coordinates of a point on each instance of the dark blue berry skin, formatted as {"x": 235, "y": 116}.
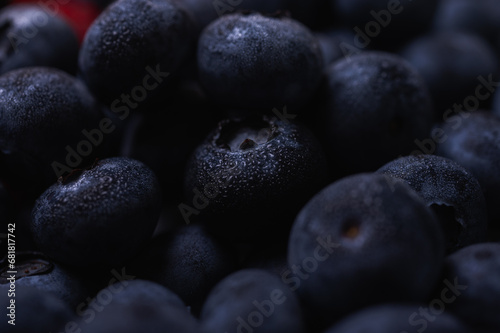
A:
{"x": 42, "y": 110}
{"x": 363, "y": 240}
{"x": 100, "y": 216}
{"x": 473, "y": 141}
{"x": 469, "y": 16}
{"x": 252, "y": 299}
{"x": 250, "y": 61}
{"x": 141, "y": 317}
{"x": 408, "y": 19}
{"x": 128, "y": 292}
{"x": 137, "y": 306}
{"x": 397, "y": 318}
{"x": 376, "y": 105}
{"x": 476, "y": 269}
{"x": 450, "y": 64}
{"x": 35, "y": 270}
{"x": 188, "y": 261}
{"x": 35, "y": 310}
{"x": 128, "y": 38}
{"x": 451, "y": 191}
{"x": 30, "y": 36}
{"x": 253, "y": 176}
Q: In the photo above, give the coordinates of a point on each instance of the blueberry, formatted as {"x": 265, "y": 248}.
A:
{"x": 451, "y": 191}
{"x": 128, "y": 292}
{"x": 188, "y": 261}
{"x": 384, "y": 24}
{"x": 252, "y": 174}
{"x": 43, "y": 112}
{"x": 468, "y": 16}
{"x": 100, "y": 216}
{"x": 363, "y": 240}
{"x": 34, "y": 309}
{"x": 398, "y": 318}
{"x": 31, "y": 36}
{"x": 474, "y": 273}
{"x": 259, "y": 63}
{"x": 450, "y": 64}
{"x": 141, "y": 317}
{"x": 35, "y": 270}
{"x": 376, "y": 105}
{"x": 251, "y": 300}
{"x": 137, "y": 306}
{"x": 134, "y": 44}
{"x": 473, "y": 141}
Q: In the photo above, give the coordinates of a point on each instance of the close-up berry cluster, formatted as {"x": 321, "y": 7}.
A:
{"x": 250, "y": 166}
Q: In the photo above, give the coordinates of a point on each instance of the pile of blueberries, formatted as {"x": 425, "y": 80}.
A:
{"x": 218, "y": 166}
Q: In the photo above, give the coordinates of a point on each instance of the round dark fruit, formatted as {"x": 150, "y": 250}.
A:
{"x": 255, "y": 62}
{"x": 363, "y": 240}
{"x": 100, "y": 216}
{"x": 451, "y": 191}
